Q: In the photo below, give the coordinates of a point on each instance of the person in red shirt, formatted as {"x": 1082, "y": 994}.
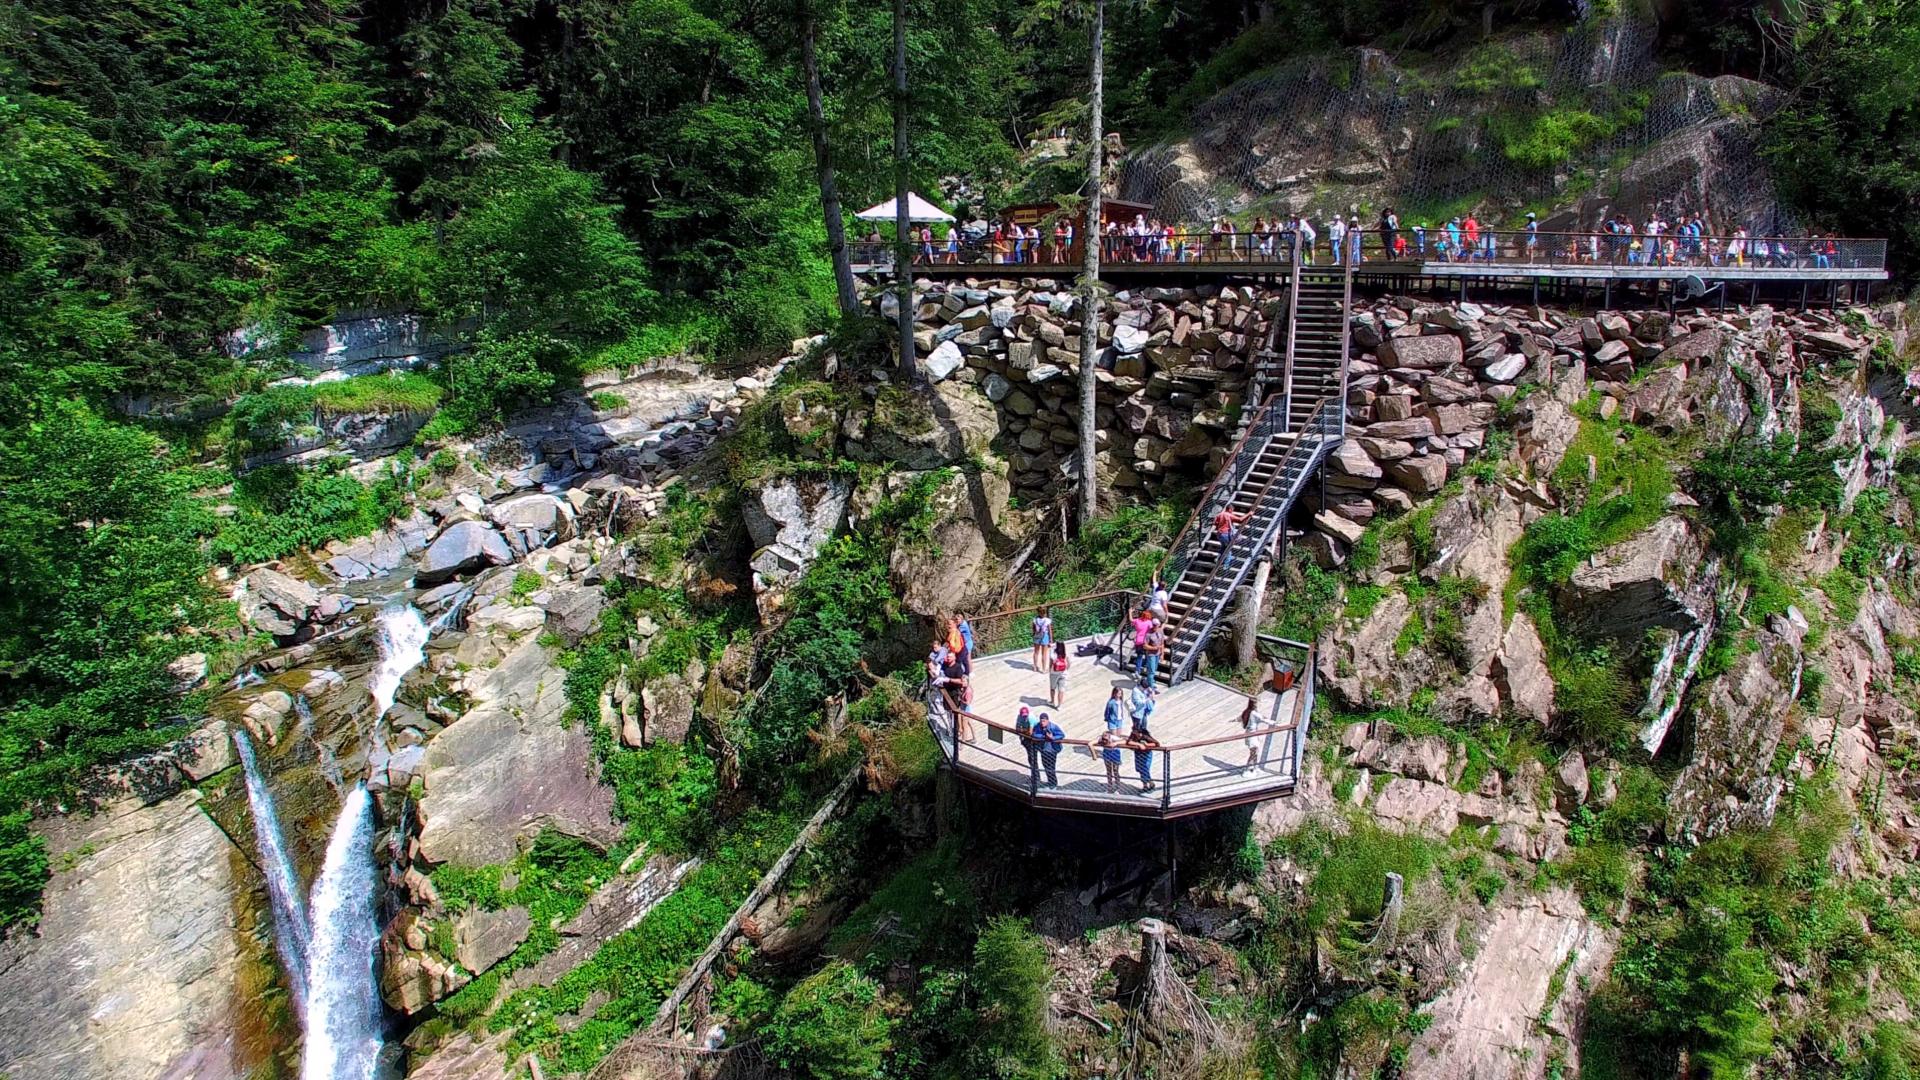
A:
{"x": 1472, "y": 228}
{"x": 1223, "y": 526}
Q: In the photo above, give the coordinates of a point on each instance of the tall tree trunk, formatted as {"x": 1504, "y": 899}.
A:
{"x": 823, "y": 165}
{"x": 902, "y": 242}
{"x": 1090, "y": 275}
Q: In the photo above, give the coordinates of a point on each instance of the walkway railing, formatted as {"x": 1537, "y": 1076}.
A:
{"x": 1187, "y": 777}
{"x": 1577, "y": 249}
{"x": 1436, "y": 245}
{"x": 1076, "y": 617}
{"x": 1270, "y": 420}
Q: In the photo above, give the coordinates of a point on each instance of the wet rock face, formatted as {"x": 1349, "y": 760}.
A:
{"x": 1736, "y": 726}
{"x": 132, "y": 971}
{"x": 463, "y": 547}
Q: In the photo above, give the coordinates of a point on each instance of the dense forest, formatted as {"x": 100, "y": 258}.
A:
{"x": 569, "y": 185}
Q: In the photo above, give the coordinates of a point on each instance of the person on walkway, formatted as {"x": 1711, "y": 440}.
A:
{"x": 1050, "y": 737}
{"x": 1116, "y": 709}
{"x": 1307, "y": 240}
{"x": 1453, "y": 238}
{"x": 1336, "y": 236}
{"x": 1355, "y": 237}
{"x": 1224, "y": 529}
{"x": 1057, "y": 676}
{"x": 1158, "y": 599}
{"x": 1471, "y": 228}
{"x": 1143, "y": 745}
{"x": 1248, "y": 721}
{"x": 1142, "y": 625}
{"x": 1533, "y": 237}
{"x": 1152, "y": 649}
{"x": 1389, "y": 231}
{"x": 1042, "y": 638}
{"x": 1110, "y": 742}
{"x": 1023, "y": 728}
{"x": 1140, "y": 703}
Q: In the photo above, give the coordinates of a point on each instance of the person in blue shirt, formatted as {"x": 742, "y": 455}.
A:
{"x": 1116, "y": 709}
{"x": 1110, "y": 742}
{"x": 1049, "y": 736}
{"x": 966, "y": 635}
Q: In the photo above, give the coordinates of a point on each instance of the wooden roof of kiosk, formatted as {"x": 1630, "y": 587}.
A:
{"x": 1119, "y": 210}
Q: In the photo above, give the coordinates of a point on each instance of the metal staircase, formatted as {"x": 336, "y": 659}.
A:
{"x": 1282, "y": 445}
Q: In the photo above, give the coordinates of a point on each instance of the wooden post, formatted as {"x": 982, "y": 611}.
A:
{"x": 1392, "y": 903}
{"x": 1153, "y": 948}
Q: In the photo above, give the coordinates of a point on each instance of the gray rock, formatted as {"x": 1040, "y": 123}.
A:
{"x": 1505, "y": 369}
{"x": 573, "y": 611}
{"x": 668, "y": 704}
{"x": 996, "y": 387}
{"x": 1421, "y": 475}
{"x": 1437, "y": 351}
{"x": 945, "y": 359}
{"x": 1129, "y": 340}
{"x": 484, "y": 938}
{"x": 792, "y": 518}
{"x": 463, "y": 547}
{"x": 534, "y": 513}
{"x": 276, "y": 603}
{"x": 1658, "y": 578}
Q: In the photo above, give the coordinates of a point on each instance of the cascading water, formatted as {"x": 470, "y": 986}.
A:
{"x": 343, "y": 1000}
{"x": 402, "y": 638}
{"x": 303, "y": 711}
{"x": 290, "y": 930}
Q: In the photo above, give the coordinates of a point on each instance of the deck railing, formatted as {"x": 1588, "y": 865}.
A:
{"x": 1435, "y": 245}
{"x": 1186, "y": 776}
{"x": 1075, "y": 617}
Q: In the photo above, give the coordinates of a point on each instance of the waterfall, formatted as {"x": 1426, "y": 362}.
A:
{"x": 452, "y": 615}
{"x": 343, "y": 1001}
{"x": 290, "y": 932}
{"x": 402, "y": 637}
{"x": 304, "y": 711}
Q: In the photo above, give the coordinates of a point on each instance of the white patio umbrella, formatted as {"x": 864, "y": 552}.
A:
{"x": 918, "y": 210}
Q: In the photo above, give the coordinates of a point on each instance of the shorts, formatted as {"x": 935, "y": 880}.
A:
{"x": 1057, "y": 681}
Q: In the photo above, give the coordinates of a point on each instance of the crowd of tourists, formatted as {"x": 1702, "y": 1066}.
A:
{"x": 1684, "y": 240}
{"x": 1127, "y": 714}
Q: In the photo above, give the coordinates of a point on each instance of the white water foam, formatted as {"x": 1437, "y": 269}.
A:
{"x": 343, "y": 1000}
{"x": 402, "y": 636}
{"x": 289, "y": 909}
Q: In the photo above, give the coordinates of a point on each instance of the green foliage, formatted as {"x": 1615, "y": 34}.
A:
{"x": 282, "y": 508}
{"x": 1349, "y": 865}
{"x": 101, "y": 571}
{"x": 1009, "y": 983}
{"x": 1493, "y": 66}
{"x": 831, "y": 1026}
{"x": 918, "y": 912}
{"x": 1309, "y": 603}
{"x": 1119, "y": 550}
{"x": 23, "y": 871}
{"x": 502, "y": 371}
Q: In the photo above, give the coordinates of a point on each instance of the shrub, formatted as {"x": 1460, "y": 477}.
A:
{"x": 1010, "y": 977}
{"x": 283, "y": 508}
{"x": 832, "y": 1026}
{"x": 503, "y": 370}
{"x": 23, "y": 871}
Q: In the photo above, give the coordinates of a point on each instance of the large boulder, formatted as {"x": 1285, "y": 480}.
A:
{"x": 790, "y": 520}
{"x": 1523, "y": 666}
{"x": 1661, "y": 577}
{"x": 1737, "y": 727}
{"x": 944, "y": 426}
{"x": 668, "y": 702}
{"x": 1434, "y": 351}
{"x": 277, "y": 604}
{"x": 538, "y": 515}
{"x": 573, "y": 611}
{"x": 134, "y": 968}
{"x": 464, "y": 546}
{"x": 482, "y": 938}
{"x": 511, "y": 766}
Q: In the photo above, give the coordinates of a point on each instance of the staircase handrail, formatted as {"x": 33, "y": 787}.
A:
{"x": 1310, "y": 442}
{"x": 1346, "y": 343}
{"x": 1239, "y": 462}
{"x": 1293, "y": 334}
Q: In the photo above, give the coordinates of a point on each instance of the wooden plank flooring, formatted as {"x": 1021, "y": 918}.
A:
{"x": 1195, "y": 710}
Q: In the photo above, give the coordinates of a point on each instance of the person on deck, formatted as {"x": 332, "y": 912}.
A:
{"x": 1307, "y": 239}
{"x": 1471, "y": 228}
{"x": 1023, "y": 728}
{"x": 1336, "y": 237}
{"x": 1140, "y": 703}
{"x": 1116, "y": 709}
{"x": 1110, "y": 742}
{"x": 1141, "y": 624}
{"x": 1057, "y": 676}
{"x": 1248, "y": 721}
{"x": 1533, "y": 237}
{"x": 1050, "y": 737}
{"x": 1143, "y": 745}
{"x": 1042, "y": 638}
{"x": 1155, "y": 645}
{"x": 1389, "y": 231}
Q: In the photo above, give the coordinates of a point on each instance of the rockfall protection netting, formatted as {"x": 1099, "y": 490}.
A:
{"x": 1575, "y": 126}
